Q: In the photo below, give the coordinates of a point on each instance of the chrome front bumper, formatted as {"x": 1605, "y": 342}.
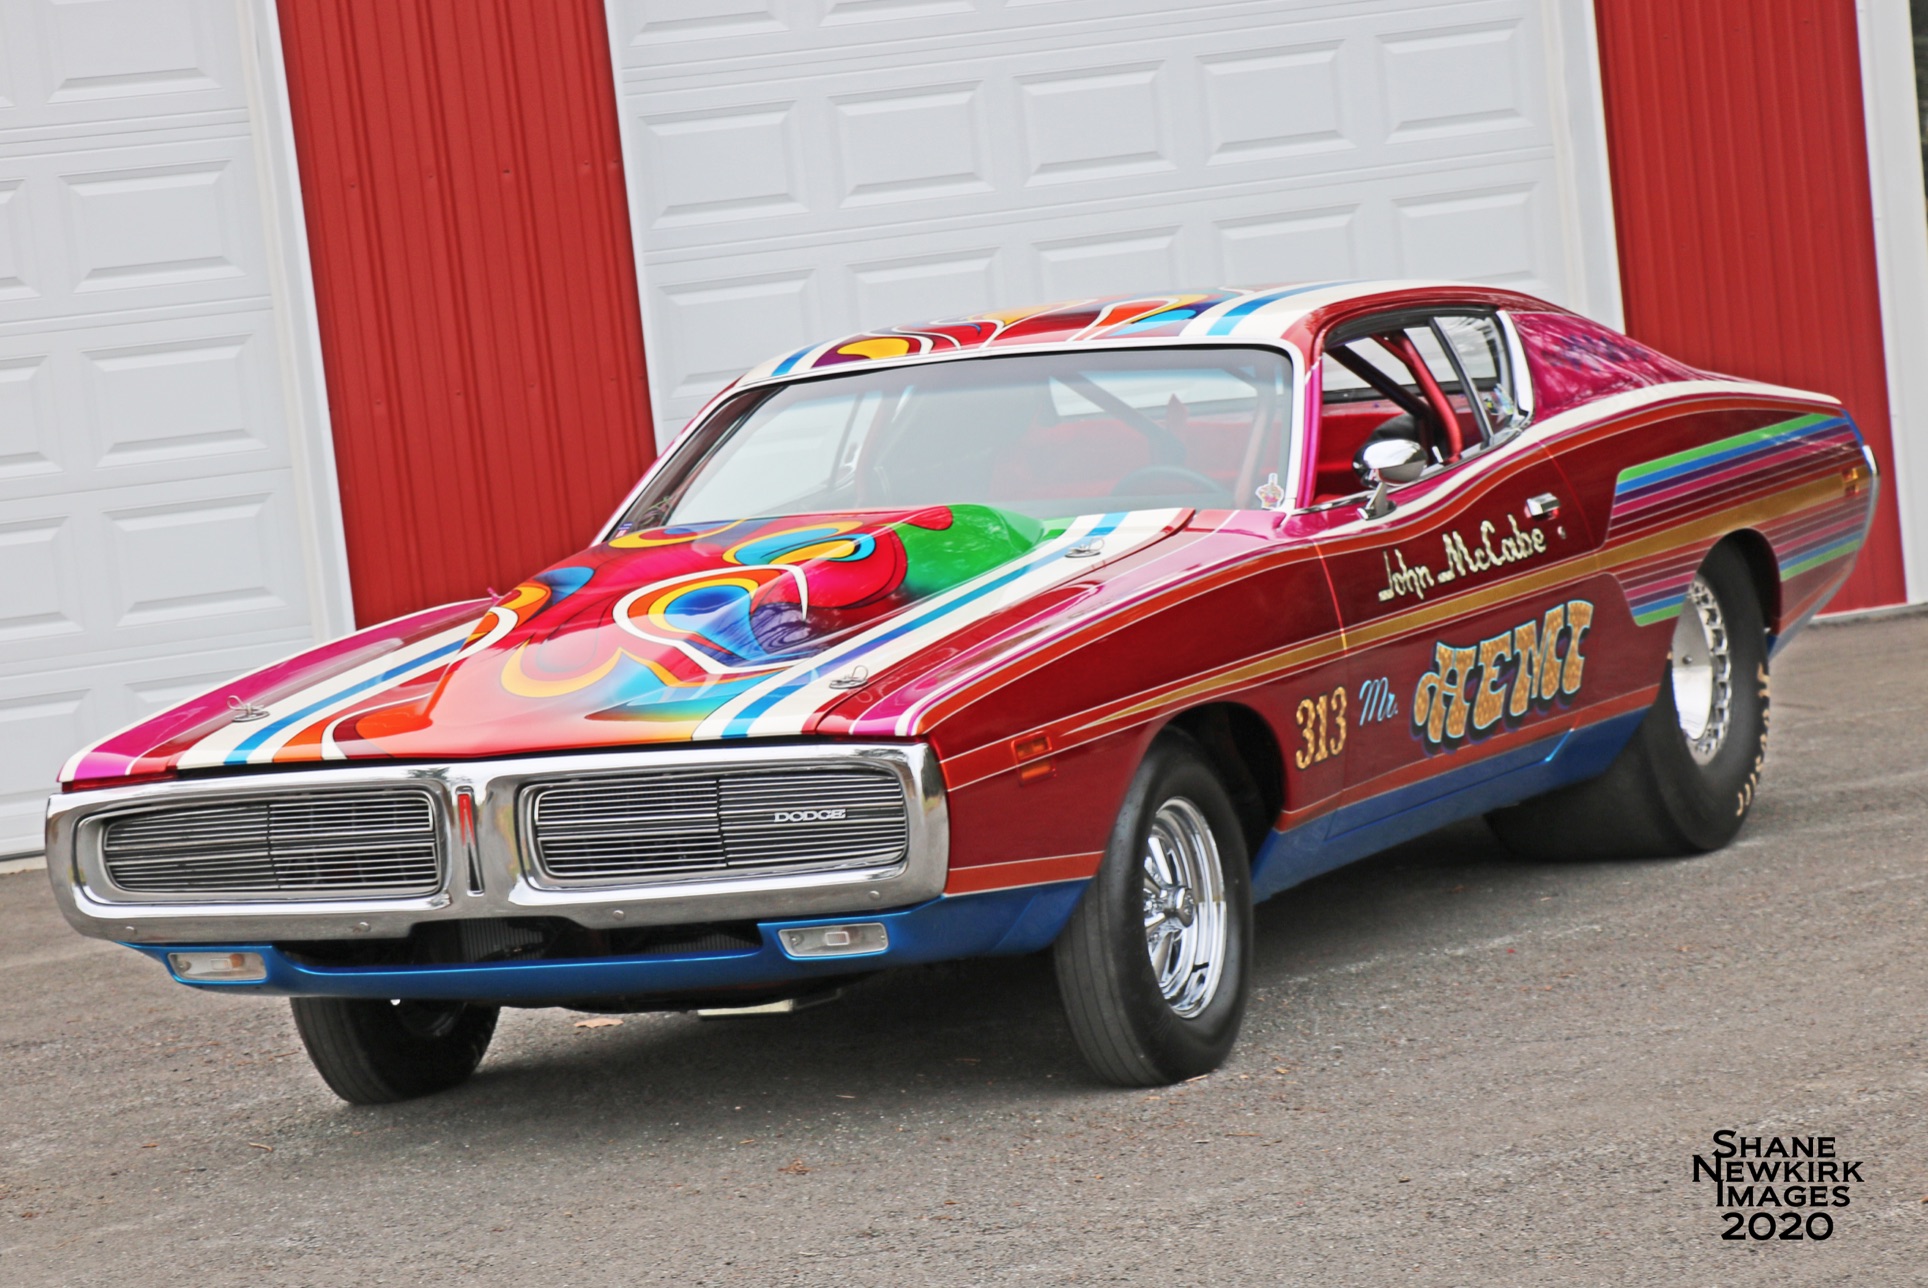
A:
{"x": 491, "y": 873}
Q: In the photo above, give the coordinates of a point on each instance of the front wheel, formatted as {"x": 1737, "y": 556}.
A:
{"x": 1684, "y": 784}
{"x": 1153, "y": 967}
{"x": 376, "y": 1052}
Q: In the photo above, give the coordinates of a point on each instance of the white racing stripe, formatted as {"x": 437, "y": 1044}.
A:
{"x": 255, "y": 742}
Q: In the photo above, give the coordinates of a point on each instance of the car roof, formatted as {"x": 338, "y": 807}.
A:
{"x": 1220, "y": 315}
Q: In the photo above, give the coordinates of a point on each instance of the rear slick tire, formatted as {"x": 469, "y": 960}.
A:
{"x": 371, "y": 1051}
{"x": 1154, "y": 966}
{"x": 1685, "y": 782}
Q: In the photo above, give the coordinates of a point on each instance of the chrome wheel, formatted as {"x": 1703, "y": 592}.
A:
{"x": 1703, "y": 672}
{"x": 1184, "y": 898}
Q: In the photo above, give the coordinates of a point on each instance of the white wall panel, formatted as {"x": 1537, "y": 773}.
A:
{"x": 946, "y": 284}
{"x": 804, "y": 167}
{"x": 1270, "y": 104}
{"x": 1308, "y": 246}
{"x": 150, "y": 527}
{"x": 898, "y": 146}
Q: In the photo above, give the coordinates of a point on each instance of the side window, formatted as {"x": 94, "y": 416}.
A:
{"x": 1439, "y": 379}
{"x": 1480, "y": 345}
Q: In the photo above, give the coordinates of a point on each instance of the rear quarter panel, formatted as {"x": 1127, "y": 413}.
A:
{"x": 1665, "y": 485}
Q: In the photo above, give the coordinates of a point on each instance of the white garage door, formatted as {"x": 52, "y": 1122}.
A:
{"x": 802, "y": 168}
{"x": 152, "y": 537}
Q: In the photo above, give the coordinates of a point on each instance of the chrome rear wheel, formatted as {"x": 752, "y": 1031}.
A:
{"x": 1703, "y": 672}
{"x": 1684, "y": 781}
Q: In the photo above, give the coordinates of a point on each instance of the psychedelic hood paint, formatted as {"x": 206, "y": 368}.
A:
{"x": 665, "y": 635}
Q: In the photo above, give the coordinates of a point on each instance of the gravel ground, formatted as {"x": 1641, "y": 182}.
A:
{"x": 1458, "y": 1069}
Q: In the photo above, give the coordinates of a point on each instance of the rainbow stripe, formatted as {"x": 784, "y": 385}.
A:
{"x": 1671, "y": 490}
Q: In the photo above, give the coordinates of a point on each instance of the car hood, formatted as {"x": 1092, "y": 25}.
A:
{"x": 666, "y": 635}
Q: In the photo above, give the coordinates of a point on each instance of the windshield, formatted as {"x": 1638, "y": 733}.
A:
{"x": 1048, "y": 435}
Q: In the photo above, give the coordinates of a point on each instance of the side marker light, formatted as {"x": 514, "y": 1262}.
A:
{"x": 835, "y": 941}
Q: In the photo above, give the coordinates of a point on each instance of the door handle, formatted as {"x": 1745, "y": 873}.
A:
{"x": 1544, "y": 506}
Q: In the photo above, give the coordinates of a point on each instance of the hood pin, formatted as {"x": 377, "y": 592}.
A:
{"x": 855, "y": 678}
{"x": 240, "y": 712}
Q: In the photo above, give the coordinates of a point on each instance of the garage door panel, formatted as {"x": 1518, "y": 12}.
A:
{"x": 30, "y": 723}
{"x": 836, "y": 147}
{"x": 117, "y": 571}
{"x": 709, "y": 323}
{"x": 949, "y": 284}
{"x": 1095, "y": 123}
{"x": 29, "y": 442}
{"x": 47, "y": 716}
{"x": 1273, "y": 104}
{"x": 41, "y": 580}
{"x": 149, "y": 523}
{"x": 1480, "y": 219}
{"x": 761, "y": 179}
{"x": 1102, "y": 263}
{"x": 909, "y": 145}
{"x": 1298, "y": 247}
{"x": 16, "y": 250}
{"x": 130, "y": 228}
{"x": 86, "y": 407}
{"x": 798, "y": 171}
{"x": 647, "y": 22}
{"x": 1444, "y": 82}
{"x": 108, "y": 60}
{"x": 695, "y": 36}
{"x": 196, "y": 401}
{"x": 1497, "y": 233}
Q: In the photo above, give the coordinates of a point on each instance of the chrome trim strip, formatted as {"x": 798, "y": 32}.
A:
{"x": 506, "y": 871}
{"x": 1521, "y": 373}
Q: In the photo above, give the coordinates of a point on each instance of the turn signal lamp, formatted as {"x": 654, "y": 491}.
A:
{"x": 218, "y": 968}
{"x": 836, "y": 941}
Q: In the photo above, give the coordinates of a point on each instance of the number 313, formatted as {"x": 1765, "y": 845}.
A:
{"x": 1322, "y": 723}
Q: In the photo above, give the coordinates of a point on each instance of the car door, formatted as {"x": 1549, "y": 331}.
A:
{"x": 1466, "y": 641}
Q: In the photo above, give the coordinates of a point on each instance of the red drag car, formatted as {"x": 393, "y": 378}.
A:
{"x": 1080, "y": 628}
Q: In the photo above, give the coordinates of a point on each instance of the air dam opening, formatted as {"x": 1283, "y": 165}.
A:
{"x": 476, "y": 941}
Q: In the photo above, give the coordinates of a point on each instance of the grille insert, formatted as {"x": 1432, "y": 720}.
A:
{"x": 689, "y": 824}
{"x": 346, "y": 844}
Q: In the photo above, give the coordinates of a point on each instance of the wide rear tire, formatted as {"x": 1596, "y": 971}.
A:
{"x": 377, "y": 1052}
{"x": 1154, "y": 966}
{"x": 1684, "y": 784}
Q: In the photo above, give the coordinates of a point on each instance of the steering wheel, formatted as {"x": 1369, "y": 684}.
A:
{"x": 1155, "y": 480}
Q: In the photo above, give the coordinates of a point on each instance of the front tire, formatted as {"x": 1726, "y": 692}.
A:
{"x": 1685, "y": 782}
{"x": 377, "y": 1052}
{"x": 1154, "y": 966}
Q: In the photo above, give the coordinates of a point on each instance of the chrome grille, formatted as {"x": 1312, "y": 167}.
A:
{"x": 340, "y": 844}
{"x": 678, "y": 824}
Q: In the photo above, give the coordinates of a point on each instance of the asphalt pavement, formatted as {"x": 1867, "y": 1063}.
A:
{"x": 1459, "y": 1068}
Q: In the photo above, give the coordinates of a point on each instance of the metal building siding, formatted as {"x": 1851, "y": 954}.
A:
{"x": 1746, "y": 225}
{"x": 475, "y": 282}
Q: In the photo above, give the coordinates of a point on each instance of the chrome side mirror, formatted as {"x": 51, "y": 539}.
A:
{"x": 1390, "y": 461}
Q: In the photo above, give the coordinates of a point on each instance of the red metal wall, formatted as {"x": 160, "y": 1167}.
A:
{"x": 462, "y": 174}
{"x": 1740, "y": 173}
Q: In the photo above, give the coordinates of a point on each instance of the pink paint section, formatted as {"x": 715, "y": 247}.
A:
{"x": 151, "y": 746}
{"x": 1575, "y": 360}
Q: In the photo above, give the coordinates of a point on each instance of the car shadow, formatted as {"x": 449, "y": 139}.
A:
{"x": 959, "y": 1036}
